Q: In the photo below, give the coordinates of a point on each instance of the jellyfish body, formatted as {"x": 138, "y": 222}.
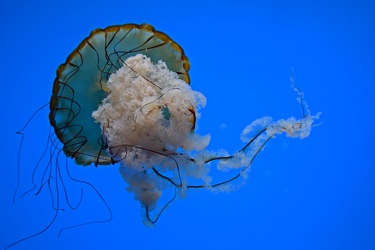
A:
{"x": 123, "y": 97}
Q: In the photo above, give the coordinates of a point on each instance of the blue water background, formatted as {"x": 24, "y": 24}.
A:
{"x": 316, "y": 193}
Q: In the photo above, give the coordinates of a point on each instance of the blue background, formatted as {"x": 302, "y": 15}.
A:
{"x": 316, "y": 193}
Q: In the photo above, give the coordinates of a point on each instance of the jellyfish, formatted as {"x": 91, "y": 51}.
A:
{"x": 123, "y": 97}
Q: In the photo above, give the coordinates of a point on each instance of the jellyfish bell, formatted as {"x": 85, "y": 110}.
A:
{"x": 80, "y": 85}
{"x": 123, "y": 97}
